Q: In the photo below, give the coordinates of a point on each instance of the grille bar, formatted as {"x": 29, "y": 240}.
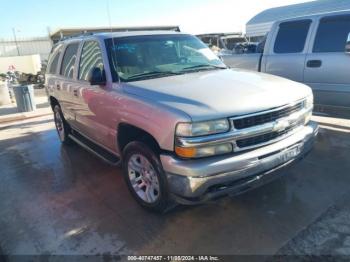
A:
{"x": 263, "y": 118}
{"x": 248, "y": 142}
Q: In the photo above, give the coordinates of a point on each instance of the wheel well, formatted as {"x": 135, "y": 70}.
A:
{"x": 128, "y": 133}
{"x": 53, "y": 102}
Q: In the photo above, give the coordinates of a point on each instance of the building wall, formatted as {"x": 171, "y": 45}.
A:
{"x": 26, "y": 64}
{"x": 26, "y": 46}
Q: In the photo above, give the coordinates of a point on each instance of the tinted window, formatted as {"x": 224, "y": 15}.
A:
{"x": 332, "y": 34}
{"x": 91, "y": 57}
{"x": 291, "y": 37}
{"x": 53, "y": 61}
{"x": 68, "y": 61}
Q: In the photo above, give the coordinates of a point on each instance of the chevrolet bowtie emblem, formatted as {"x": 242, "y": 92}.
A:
{"x": 280, "y": 125}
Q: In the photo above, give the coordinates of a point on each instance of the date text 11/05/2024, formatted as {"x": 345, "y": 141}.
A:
{"x": 174, "y": 258}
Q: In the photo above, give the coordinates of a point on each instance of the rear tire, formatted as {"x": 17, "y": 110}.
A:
{"x": 144, "y": 176}
{"x": 62, "y": 127}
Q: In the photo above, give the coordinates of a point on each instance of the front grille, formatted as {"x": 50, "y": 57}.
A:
{"x": 260, "y": 139}
{"x": 266, "y": 117}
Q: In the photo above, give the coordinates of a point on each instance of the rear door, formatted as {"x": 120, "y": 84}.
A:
{"x": 67, "y": 80}
{"x": 52, "y": 71}
{"x": 287, "y": 53}
{"x": 327, "y": 65}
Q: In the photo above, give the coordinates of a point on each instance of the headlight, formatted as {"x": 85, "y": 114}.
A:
{"x": 307, "y": 118}
{"x": 309, "y": 101}
{"x": 202, "y": 128}
{"x": 309, "y": 104}
{"x": 194, "y": 152}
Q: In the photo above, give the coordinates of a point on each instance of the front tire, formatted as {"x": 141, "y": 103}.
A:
{"x": 145, "y": 177}
{"x": 62, "y": 127}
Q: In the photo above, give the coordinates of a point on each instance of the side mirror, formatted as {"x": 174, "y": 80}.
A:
{"x": 347, "y": 46}
{"x": 97, "y": 76}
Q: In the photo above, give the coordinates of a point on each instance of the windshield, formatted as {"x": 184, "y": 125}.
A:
{"x": 144, "y": 57}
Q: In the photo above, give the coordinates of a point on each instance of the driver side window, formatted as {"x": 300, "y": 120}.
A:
{"x": 91, "y": 57}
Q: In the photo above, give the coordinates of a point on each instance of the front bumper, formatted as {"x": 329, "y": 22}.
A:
{"x": 196, "y": 181}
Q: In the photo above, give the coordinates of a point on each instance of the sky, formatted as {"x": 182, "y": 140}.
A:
{"x": 32, "y": 18}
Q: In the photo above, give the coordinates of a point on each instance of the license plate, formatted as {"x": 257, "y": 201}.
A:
{"x": 289, "y": 154}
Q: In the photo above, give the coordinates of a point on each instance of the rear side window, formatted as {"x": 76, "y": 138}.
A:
{"x": 53, "y": 61}
{"x": 291, "y": 37}
{"x": 332, "y": 34}
{"x": 68, "y": 61}
{"x": 91, "y": 57}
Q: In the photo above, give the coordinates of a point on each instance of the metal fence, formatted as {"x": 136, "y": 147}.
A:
{"x": 26, "y": 46}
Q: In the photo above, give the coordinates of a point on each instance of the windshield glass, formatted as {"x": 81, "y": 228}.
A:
{"x": 143, "y": 57}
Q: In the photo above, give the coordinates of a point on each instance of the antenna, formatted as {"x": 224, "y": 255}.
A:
{"x": 109, "y": 15}
{"x": 113, "y": 42}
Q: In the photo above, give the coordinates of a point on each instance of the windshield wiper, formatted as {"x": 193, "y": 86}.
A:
{"x": 209, "y": 66}
{"x": 152, "y": 74}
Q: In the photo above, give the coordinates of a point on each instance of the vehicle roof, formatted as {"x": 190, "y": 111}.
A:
{"x": 300, "y": 10}
{"x": 326, "y": 14}
{"x": 106, "y": 35}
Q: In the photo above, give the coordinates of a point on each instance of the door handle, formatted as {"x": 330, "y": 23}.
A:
{"x": 314, "y": 63}
{"x": 58, "y": 86}
{"x": 75, "y": 92}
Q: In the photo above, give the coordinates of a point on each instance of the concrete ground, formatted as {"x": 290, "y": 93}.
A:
{"x": 62, "y": 200}
{"x": 10, "y": 112}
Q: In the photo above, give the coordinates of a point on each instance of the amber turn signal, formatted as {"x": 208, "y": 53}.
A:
{"x": 185, "y": 151}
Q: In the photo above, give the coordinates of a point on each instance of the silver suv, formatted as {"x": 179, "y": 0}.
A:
{"x": 185, "y": 127}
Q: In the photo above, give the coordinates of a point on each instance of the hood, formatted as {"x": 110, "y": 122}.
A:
{"x": 219, "y": 93}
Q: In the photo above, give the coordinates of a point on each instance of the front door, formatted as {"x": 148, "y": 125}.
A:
{"x": 91, "y": 101}
{"x": 327, "y": 65}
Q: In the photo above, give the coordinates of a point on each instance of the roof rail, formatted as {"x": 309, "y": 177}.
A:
{"x": 76, "y": 35}
{"x": 65, "y": 33}
{"x": 221, "y": 34}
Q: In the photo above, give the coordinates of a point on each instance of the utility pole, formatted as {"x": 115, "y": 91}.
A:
{"x": 14, "y": 35}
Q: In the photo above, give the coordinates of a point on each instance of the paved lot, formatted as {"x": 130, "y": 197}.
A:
{"x": 62, "y": 200}
{"x": 10, "y": 112}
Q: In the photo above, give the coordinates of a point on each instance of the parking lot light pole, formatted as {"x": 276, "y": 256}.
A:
{"x": 14, "y": 35}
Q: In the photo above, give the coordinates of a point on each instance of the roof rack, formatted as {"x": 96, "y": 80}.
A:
{"x": 66, "y": 33}
{"x": 221, "y": 34}
{"x": 77, "y": 35}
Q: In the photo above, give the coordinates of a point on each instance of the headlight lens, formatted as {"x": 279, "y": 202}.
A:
{"x": 202, "y": 128}
{"x": 309, "y": 104}
{"x": 195, "y": 152}
{"x": 309, "y": 101}
{"x": 308, "y": 116}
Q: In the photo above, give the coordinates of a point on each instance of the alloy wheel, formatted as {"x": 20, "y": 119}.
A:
{"x": 59, "y": 124}
{"x": 143, "y": 178}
